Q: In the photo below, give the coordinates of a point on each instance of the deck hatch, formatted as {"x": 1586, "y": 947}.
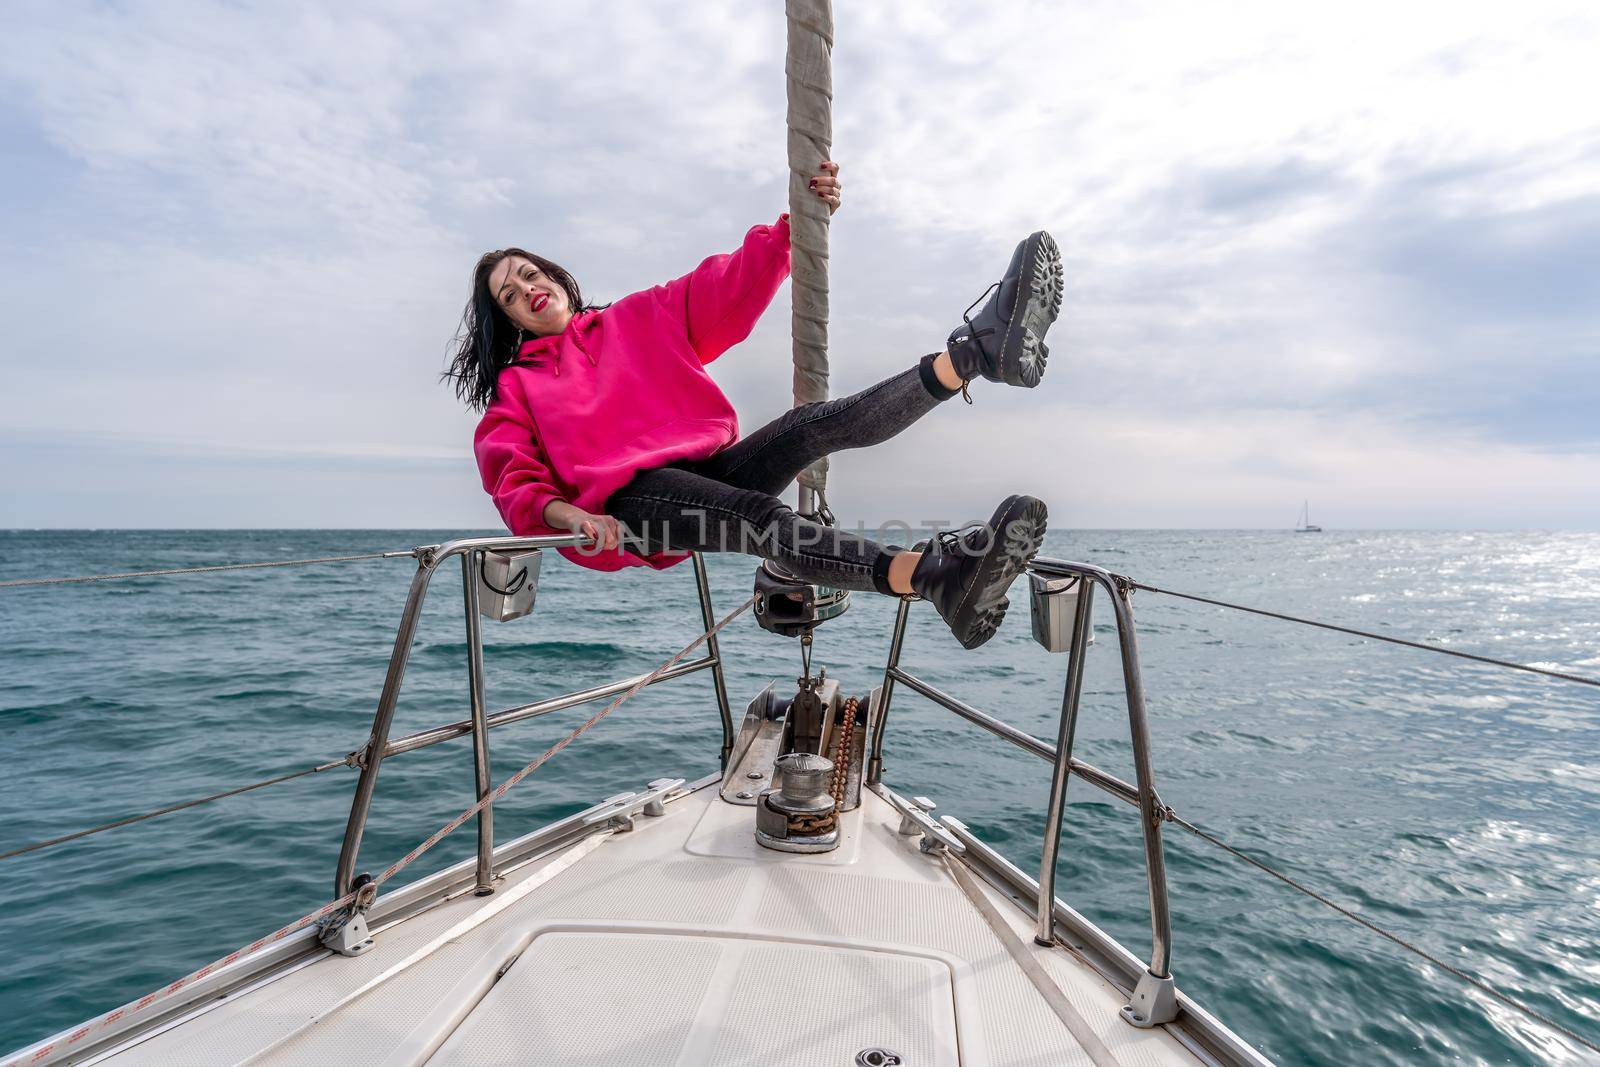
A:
{"x": 603, "y": 996}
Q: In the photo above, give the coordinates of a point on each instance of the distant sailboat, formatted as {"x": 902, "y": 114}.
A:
{"x": 1305, "y": 524}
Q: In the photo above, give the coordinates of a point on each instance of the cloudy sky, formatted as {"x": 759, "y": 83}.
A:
{"x": 1349, "y": 252}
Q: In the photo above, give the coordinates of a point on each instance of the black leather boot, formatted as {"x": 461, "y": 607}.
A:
{"x": 965, "y": 573}
{"x": 1005, "y": 341}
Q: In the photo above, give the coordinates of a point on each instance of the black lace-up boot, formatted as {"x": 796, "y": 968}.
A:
{"x": 1004, "y": 342}
{"x": 965, "y": 573}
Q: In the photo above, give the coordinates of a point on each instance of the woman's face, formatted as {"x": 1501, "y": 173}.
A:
{"x": 531, "y": 299}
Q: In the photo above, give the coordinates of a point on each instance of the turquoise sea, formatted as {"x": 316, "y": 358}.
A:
{"x": 1452, "y": 803}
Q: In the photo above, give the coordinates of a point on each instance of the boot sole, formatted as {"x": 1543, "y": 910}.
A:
{"x": 1023, "y": 354}
{"x": 1019, "y": 524}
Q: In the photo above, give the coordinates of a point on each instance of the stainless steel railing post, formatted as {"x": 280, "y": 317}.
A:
{"x": 1151, "y": 810}
{"x": 1150, "y": 813}
{"x": 1045, "y": 925}
{"x": 470, "y": 561}
{"x": 361, "y": 805}
{"x": 371, "y": 756}
{"x": 874, "y": 773}
{"x": 713, "y": 652}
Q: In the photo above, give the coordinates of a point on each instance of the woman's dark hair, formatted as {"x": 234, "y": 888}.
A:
{"x": 486, "y": 343}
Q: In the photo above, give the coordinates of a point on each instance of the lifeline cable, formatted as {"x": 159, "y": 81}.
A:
{"x": 1396, "y": 939}
{"x": 1563, "y": 675}
{"x": 19, "y": 582}
{"x": 348, "y": 761}
{"x": 1170, "y": 816}
{"x": 99, "y": 1022}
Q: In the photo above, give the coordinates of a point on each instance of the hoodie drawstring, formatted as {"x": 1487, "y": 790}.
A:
{"x": 577, "y": 339}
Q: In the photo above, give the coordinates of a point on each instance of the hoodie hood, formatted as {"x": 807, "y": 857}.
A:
{"x": 583, "y": 332}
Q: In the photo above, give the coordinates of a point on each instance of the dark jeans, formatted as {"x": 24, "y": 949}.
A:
{"x": 729, "y": 503}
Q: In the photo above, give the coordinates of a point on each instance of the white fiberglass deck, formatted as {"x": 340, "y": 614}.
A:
{"x": 682, "y": 943}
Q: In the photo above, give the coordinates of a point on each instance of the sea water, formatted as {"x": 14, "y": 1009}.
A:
{"x": 1452, "y": 803}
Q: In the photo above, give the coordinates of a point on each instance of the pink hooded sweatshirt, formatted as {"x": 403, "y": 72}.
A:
{"x": 624, "y": 389}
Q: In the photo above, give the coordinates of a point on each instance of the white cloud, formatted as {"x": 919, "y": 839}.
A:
{"x": 254, "y": 223}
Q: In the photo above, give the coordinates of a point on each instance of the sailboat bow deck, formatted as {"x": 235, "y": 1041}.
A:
{"x": 681, "y": 941}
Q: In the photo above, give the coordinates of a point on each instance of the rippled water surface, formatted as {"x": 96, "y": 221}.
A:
{"x": 1453, "y": 803}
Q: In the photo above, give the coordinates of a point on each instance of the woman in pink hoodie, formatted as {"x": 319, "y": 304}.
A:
{"x": 604, "y": 421}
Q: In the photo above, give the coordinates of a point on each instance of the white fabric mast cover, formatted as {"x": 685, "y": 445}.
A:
{"x": 808, "y": 68}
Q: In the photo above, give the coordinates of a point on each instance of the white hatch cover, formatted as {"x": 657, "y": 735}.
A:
{"x": 607, "y": 996}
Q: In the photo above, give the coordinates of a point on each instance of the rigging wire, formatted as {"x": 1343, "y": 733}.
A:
{"x": 17, "y": 583}
{"x": 348, "y": 761}
{"x": 1170, "y": 816}
{"x": 99, "y": 1022}
{"x": 1167, "y": 813}
{"x": 1563, "y": 675}
{"x": 511, "y": 782}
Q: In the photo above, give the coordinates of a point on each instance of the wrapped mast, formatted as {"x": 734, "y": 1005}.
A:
{"x": 808, "y": 69}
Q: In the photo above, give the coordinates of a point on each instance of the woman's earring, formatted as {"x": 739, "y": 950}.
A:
{"x": 518, "y": 349}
